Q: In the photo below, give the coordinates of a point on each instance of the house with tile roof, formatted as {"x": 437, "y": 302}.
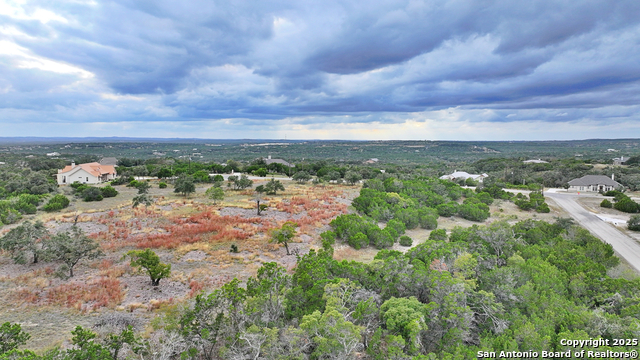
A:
{"x": 594, "y": 183}
{"x": 89, "y": 173}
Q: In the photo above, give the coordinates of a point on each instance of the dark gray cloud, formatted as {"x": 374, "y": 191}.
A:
{"x": 317, "y": 62}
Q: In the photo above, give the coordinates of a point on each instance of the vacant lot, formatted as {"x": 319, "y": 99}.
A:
{"x": 192, "y": 234}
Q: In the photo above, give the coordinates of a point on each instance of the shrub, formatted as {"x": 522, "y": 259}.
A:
{"x": 381, "y": 239}
{"x": 473, "y": 212}
{"x": 438, "y": 235}
{"x": 634, "y": 223}
{"x": 75, "y": 185}
{"x": 80, "y": 189}
{"x": 447, "y": 210}
{"x": 428, "y": 222}
{"x": 122, "y": 180}
{"x": 485, "y": 198}
{"x": 405, "y": 240}
{"x": 543, "y": 208}
{"x": 109, "y": 191}
{"x": 606, "y": 204}
{"x": 92, "y": 194}
{"x": 524, "y": 204}
{"x": 11, "y": 337}
{"x": 612, "y": 193}
{"x": 358, "y": 241}
{"x": 162, "y": 185}
{"x": 626, "y": 205}
{"x": 56, "y": 203}
{"x": 396, "y": 225}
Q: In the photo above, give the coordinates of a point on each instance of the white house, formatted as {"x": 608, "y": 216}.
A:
{"x": 457, "y": 175}
{"x": 534, "y": 161}
{"x": 593, "y": 183}
{"x": 90, "y": 173}
{"x": 620, "y": 161}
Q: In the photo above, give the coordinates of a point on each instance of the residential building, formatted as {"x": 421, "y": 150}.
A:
{"x": 269, "y": 160}
{"x": 109, "y": 161}
{"x": 90, "y": 173}
{"x": 594, "y": 183}
{"x": 457, "y": 175}
{"x": 620, "y": 161}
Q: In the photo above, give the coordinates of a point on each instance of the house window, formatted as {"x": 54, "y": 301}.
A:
{"x": 87, "y": 179}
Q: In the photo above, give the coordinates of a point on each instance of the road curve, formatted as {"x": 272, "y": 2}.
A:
{"x": 624, "y": 245}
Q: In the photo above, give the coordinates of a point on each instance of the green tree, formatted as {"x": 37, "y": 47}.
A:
{"x": 143, "y": 187}
{"x": 25, "y": 241}
{"x": 268, "y": 289}
{"x": 273, "y": 186}
{"x": 334, "y": 337}
{"x": 86, "y": 348}
{"x": 301, "y": 177}
{"x": 70, "y": 247}
{"x": 244, "y": 182}
{"x": 143, "y": 197}
{"x": 150, "y": 261}
{"x": 352, "y": 177}
{"x": 115, "y": 343}
{"x": 239, "y": 183}
{"x": 215, "y": 193}
{"x": 11, "y": 336}
{"x": 407, "y": 318}
{"x": 258, "y": 198}
{"x": 165, "y": 173}
{"x": 184, "y": 185}
{"x": 634, "y": 223}
{"x": 262, "y": 172}
{"x": 284, "y": 235}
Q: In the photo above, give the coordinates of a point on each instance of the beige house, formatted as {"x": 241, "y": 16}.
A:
{"x": 90, "y": 173}
{"x": 594, "y": 183}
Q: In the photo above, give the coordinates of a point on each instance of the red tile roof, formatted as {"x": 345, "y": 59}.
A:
{"x": 93, "y": 168}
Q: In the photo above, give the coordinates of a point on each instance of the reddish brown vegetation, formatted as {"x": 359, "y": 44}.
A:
{"x": 104, "y": 292}
{"x": 148, "y": 228}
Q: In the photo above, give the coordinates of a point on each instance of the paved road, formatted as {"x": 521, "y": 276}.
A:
{"x": 624, "y": 245}
{"x": 251, "y": 177}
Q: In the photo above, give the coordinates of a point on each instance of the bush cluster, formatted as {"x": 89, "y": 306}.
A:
{"x": 56, "y": 203}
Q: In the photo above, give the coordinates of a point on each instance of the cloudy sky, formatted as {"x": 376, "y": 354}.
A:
{"x": 458, "y": 69}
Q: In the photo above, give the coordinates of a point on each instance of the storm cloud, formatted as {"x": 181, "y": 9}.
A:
{"x": 306, "y": 66}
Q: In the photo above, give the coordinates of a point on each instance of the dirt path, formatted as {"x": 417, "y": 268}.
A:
{"x": 624, "y": 245}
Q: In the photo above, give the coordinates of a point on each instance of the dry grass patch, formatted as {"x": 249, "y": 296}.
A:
{"x": 83, "y": 296}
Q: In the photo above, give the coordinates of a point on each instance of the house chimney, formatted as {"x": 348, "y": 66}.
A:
{"x": 612, "y": 177}
{"x": 73, "y": 164}
{"x": 269, "y": 157}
